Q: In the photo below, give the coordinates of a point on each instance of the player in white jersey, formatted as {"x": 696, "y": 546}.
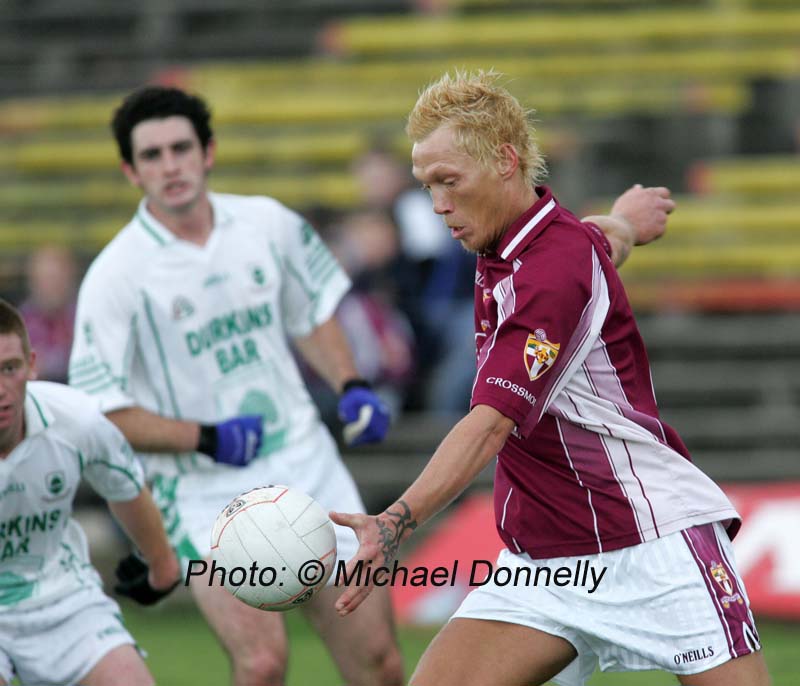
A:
{"x": 182, "y": 334}
{"x": 57, "y": 627}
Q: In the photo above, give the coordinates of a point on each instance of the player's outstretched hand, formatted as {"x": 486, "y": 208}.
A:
{"x": 235, "y": 441}
{"x": 365, "y": 417}
{"x": 646, "y": 209}
{"x": 135, "y": 581}
{"x": 369, "y": 553}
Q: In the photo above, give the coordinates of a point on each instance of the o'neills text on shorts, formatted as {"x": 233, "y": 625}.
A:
{"x": 481, "y": 572}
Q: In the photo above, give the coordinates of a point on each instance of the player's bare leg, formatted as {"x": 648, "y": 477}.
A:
{"x": 254, "y": 640}
{"x": 122, "y": 666}
{"x": 476, "y": 652}
{"x": 748, "y": 670}
{"x": 363, "y": 644}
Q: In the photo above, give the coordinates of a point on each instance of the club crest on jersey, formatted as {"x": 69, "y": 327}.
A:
{"x": 487, "y": 295}
{"x": 720, "y": 575}
{"x": 540, "y": 354}
{"x": 55, "y": 482}
{"x": 181, "y": 308}
{"x": 257, "y": 273}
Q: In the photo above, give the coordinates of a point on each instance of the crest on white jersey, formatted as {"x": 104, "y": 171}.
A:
{"x": 540, "y": 354}
{"x": 257, "y": 274}
{"x": 55, "y": 482}
{"x": 181, "y": 308}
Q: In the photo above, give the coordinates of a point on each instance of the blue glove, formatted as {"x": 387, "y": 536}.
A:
{"x": 234, "y": 442}
{"x": 365, "y": 417}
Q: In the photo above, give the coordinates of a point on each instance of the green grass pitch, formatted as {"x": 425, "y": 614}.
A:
{"x": 183, "y": 652}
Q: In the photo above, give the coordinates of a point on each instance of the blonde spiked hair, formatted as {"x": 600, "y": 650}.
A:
{"x": 483, "y": 115}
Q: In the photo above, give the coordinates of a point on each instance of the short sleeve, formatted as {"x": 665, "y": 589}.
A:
{"x": 551, "y": 311}
{"x": 111, "y": 467}
{"x": 314, "y": 283}
{"x": 105, "y": 331}
{"x": 598, "y": 234}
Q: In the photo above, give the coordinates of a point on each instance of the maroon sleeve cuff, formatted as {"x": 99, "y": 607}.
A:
{"x": 600, "y": 236}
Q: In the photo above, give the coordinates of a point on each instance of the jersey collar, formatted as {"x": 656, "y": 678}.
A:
{"x": 37, "y": 415}
{"x": 529, "y": 225}
{"x": 163, "y": 236}
{"x": 152, "y": 227}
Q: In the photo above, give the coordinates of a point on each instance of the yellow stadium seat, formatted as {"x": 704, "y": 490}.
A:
{"x": 414, "y": 34}
{"x": 774, "y": 174}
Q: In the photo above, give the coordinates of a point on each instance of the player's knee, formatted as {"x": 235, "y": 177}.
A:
{"x": 393, "y": 671}
{"x": 259, "y": 668}
{"x": 381, "y": 665}
{"x": 392, "y": 668}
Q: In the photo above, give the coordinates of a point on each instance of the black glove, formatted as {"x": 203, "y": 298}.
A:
{"x": 131, "y": 573}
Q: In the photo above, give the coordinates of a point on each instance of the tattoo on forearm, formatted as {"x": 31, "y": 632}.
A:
{"x": 393, "y": 527}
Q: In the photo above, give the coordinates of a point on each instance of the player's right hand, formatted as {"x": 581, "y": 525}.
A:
{"x": 133, "y": 581}
{"x": 369, "y": 552}
{"x": 365, "y": 416}
{"x": 235, "y": 441}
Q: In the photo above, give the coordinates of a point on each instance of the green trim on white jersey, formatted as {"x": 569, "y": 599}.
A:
{"x": 154, "y": 233}
{"x": 39, "y": 409}
{"x": 176, "y": 413}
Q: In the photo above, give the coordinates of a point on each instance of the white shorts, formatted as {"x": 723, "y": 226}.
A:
{"x": 59, "y": 643}
{"x": 190, "y": 502}
{"x": 675, "y": 603}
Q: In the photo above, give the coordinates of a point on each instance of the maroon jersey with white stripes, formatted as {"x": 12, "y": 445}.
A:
{"x": 590, "y": 466}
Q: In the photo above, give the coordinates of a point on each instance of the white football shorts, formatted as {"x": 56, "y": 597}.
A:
{"x": 190, "y": 502}
{"x": 674, "y": 603}
{"x": 58, "y": 644}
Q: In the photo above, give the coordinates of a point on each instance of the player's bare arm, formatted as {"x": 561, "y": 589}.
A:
{"x": 142, "y": 522}
{"x": 235, "y": 441}
{"x": 365, "y": 417}
{"x": 327, "y": 351}
{"x": 638, "y": 216}
{"x": 152, "y": 433}
{"x": 464, "y": 452}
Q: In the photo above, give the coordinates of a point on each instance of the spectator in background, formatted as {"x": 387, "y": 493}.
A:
{"x": 432, "y": 276}
{"x": 380, "y": 335}
{"x": 49, "y": 309}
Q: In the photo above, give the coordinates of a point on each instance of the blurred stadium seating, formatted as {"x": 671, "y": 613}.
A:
{"x": 702, "y": 96}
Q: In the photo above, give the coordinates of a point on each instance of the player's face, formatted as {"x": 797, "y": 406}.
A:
{"x": 469, "y": 195}
{"x": 16, "y": 369}
{"x": 169, "y": 164}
